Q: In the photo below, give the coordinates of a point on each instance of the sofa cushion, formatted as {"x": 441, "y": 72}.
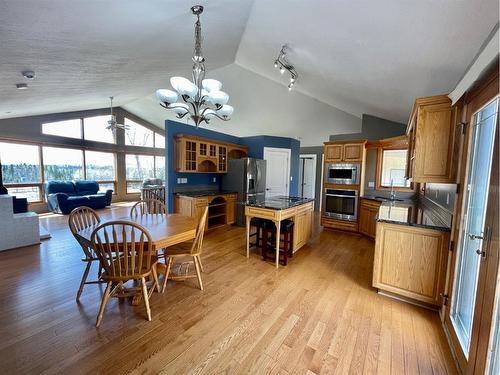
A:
{"x": 53, "y": 187}
{"x": 86, "y": 187}
{"x": 78, "y": 200}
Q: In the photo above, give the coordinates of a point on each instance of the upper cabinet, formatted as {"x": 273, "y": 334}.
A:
{"x": 433, "y": 134}
{"x": 337, "y": 152}
{"x": 200, "y": 155}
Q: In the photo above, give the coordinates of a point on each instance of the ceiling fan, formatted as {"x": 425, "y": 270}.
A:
{"x": 112, "y": 123}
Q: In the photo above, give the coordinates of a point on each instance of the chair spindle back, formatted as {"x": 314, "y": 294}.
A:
{"x": 124, "y": 248}
{"x": 148, "y": 207}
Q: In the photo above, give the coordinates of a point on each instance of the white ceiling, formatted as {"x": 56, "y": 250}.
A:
{"x": 360, "y": 56}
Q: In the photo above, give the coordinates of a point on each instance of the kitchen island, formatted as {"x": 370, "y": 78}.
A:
{"x": 278, "y": 208}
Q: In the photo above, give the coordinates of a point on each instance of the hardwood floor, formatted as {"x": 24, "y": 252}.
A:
{"x": 317, "y": 315}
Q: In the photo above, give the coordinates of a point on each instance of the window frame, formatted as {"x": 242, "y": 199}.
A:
{"x": 378, "y": 171}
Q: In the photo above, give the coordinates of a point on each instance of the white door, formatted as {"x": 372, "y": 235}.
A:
{"x": 307, "y": 176}
{"x": 277, "y": 171}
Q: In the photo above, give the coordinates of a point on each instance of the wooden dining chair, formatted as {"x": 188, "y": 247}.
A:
{"x": 148, "y": 207}
{"x": 187, "y": 249}
{"x": 125, "y": 250}
{"x": 79, "y": 219}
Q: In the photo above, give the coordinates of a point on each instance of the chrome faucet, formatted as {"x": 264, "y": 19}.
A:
{"x": 393, "y": 193}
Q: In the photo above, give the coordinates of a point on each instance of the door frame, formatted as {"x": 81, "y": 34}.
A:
{"x": 278, "y": 149}
{"x": 315, "y": 160}
{"x": 473, "y": 101}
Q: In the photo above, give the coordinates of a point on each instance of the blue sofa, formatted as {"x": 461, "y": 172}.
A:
{"x": 64, "y": 196}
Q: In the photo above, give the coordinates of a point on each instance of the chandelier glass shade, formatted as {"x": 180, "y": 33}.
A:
{"x": 201, "y": 99}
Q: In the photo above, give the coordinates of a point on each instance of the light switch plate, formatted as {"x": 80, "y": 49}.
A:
{"x": 214, "y": 179}
{"x": 371, "y": 184}
{"x": 184, "y": 180}
{"x": 179, "y": 180}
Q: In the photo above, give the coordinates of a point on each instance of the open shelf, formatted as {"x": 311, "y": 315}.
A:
{"x": 217, "y": 212}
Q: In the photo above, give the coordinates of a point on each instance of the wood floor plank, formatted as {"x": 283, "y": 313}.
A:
{"x": 318, "y": 315}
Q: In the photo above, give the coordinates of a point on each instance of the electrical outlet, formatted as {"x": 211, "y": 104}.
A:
{"x": 371, "y": 184}
{"x": 179, "y": 180}
{"x": 214, "y": 179}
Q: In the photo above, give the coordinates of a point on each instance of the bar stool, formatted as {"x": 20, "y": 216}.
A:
{"x": 269, "y": 240}
{"x": 258, "y": 224}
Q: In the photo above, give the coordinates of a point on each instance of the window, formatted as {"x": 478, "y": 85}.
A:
{"x": 67, "y": 128}
{"x": 62, "y": 163}
{"x": 138, "y": 135}
{"x": 391, "y": 169}
{"x": 159, "y": 141}
{"x": 21, "y": 170}
{"x": 99, "y": 166}
{"x": 160, "y": 167}
{"x": 138, "y": 167}
{"x": 94, "y": 129}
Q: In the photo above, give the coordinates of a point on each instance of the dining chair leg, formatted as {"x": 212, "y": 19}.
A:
{"x": 84, "y": 279}
{"x": 199, "y": 262}
{"x": 198, "y": 273}
{"x": 145, "y": 296}
{"x": 104, "y": 301}
{"x": 169, "y": 262}
{"x": 99, "y": 273}
{"x": 156, "y": 282}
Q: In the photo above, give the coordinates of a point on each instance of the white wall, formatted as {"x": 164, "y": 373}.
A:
{"x": 263, "y": 107}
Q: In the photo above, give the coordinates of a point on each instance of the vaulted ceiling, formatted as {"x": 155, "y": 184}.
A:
{"x": 353, "y": 57}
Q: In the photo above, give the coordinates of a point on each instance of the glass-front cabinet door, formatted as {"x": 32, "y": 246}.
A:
{"x": 471, "y": 249}
{"x": 222, "y": 159}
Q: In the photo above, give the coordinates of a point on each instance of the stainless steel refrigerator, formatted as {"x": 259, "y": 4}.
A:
{"x": 246, "y": 176}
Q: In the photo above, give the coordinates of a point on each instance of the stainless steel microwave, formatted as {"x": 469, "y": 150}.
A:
{"x": 343, "y": 173}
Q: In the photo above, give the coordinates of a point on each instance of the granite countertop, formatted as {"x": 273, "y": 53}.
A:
{"x": 408, "y": 212}
{"x": 277, "y": 203}
{"x": 204, "y": 193}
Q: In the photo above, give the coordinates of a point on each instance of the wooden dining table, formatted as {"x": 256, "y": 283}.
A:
{"x": 165, "y": 229}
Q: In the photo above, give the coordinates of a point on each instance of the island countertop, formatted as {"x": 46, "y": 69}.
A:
{"x": 280, "y": 202}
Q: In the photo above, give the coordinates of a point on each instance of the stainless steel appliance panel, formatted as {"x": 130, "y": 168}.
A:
{"x": 341, "y": 204}
{"x": 247, "y": 177}
{"x": 343, "y": 173}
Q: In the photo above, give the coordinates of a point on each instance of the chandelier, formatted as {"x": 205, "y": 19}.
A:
{"x": 282, "y": 63}
{"x": 201, "y": 99}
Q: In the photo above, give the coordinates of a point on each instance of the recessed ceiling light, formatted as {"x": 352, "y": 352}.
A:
{"x": 21, "y": 86}
{"x": 29, "y": 74}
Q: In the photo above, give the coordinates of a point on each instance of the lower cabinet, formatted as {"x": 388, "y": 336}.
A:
{"x": 302, "y": 225}
{"x": 368, "y": 211}
{"x": 221, "y": 208}
{"x": 411, "y": 262}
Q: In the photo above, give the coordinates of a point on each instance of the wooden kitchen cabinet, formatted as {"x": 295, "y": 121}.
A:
{"x": 411, "y": 262}
{"x": 302, "y": 225}
{"x": 221, "y": 208}
{"x": 231, "y": 209}
{"x": 433, "y": 132}
{"x": 200, "y": 155}
{"x": 333, "y": 153}
{"x": 368, "y": 211}
{"x": 348, "y": 152}
{"x": 353, "y": 152}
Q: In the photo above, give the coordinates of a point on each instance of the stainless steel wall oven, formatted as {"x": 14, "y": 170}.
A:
{"x": 341, "y": 204}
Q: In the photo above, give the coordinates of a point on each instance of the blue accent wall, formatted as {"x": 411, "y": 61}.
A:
{"x": 256, "y": 150}
{"x": 205, "y": 180}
